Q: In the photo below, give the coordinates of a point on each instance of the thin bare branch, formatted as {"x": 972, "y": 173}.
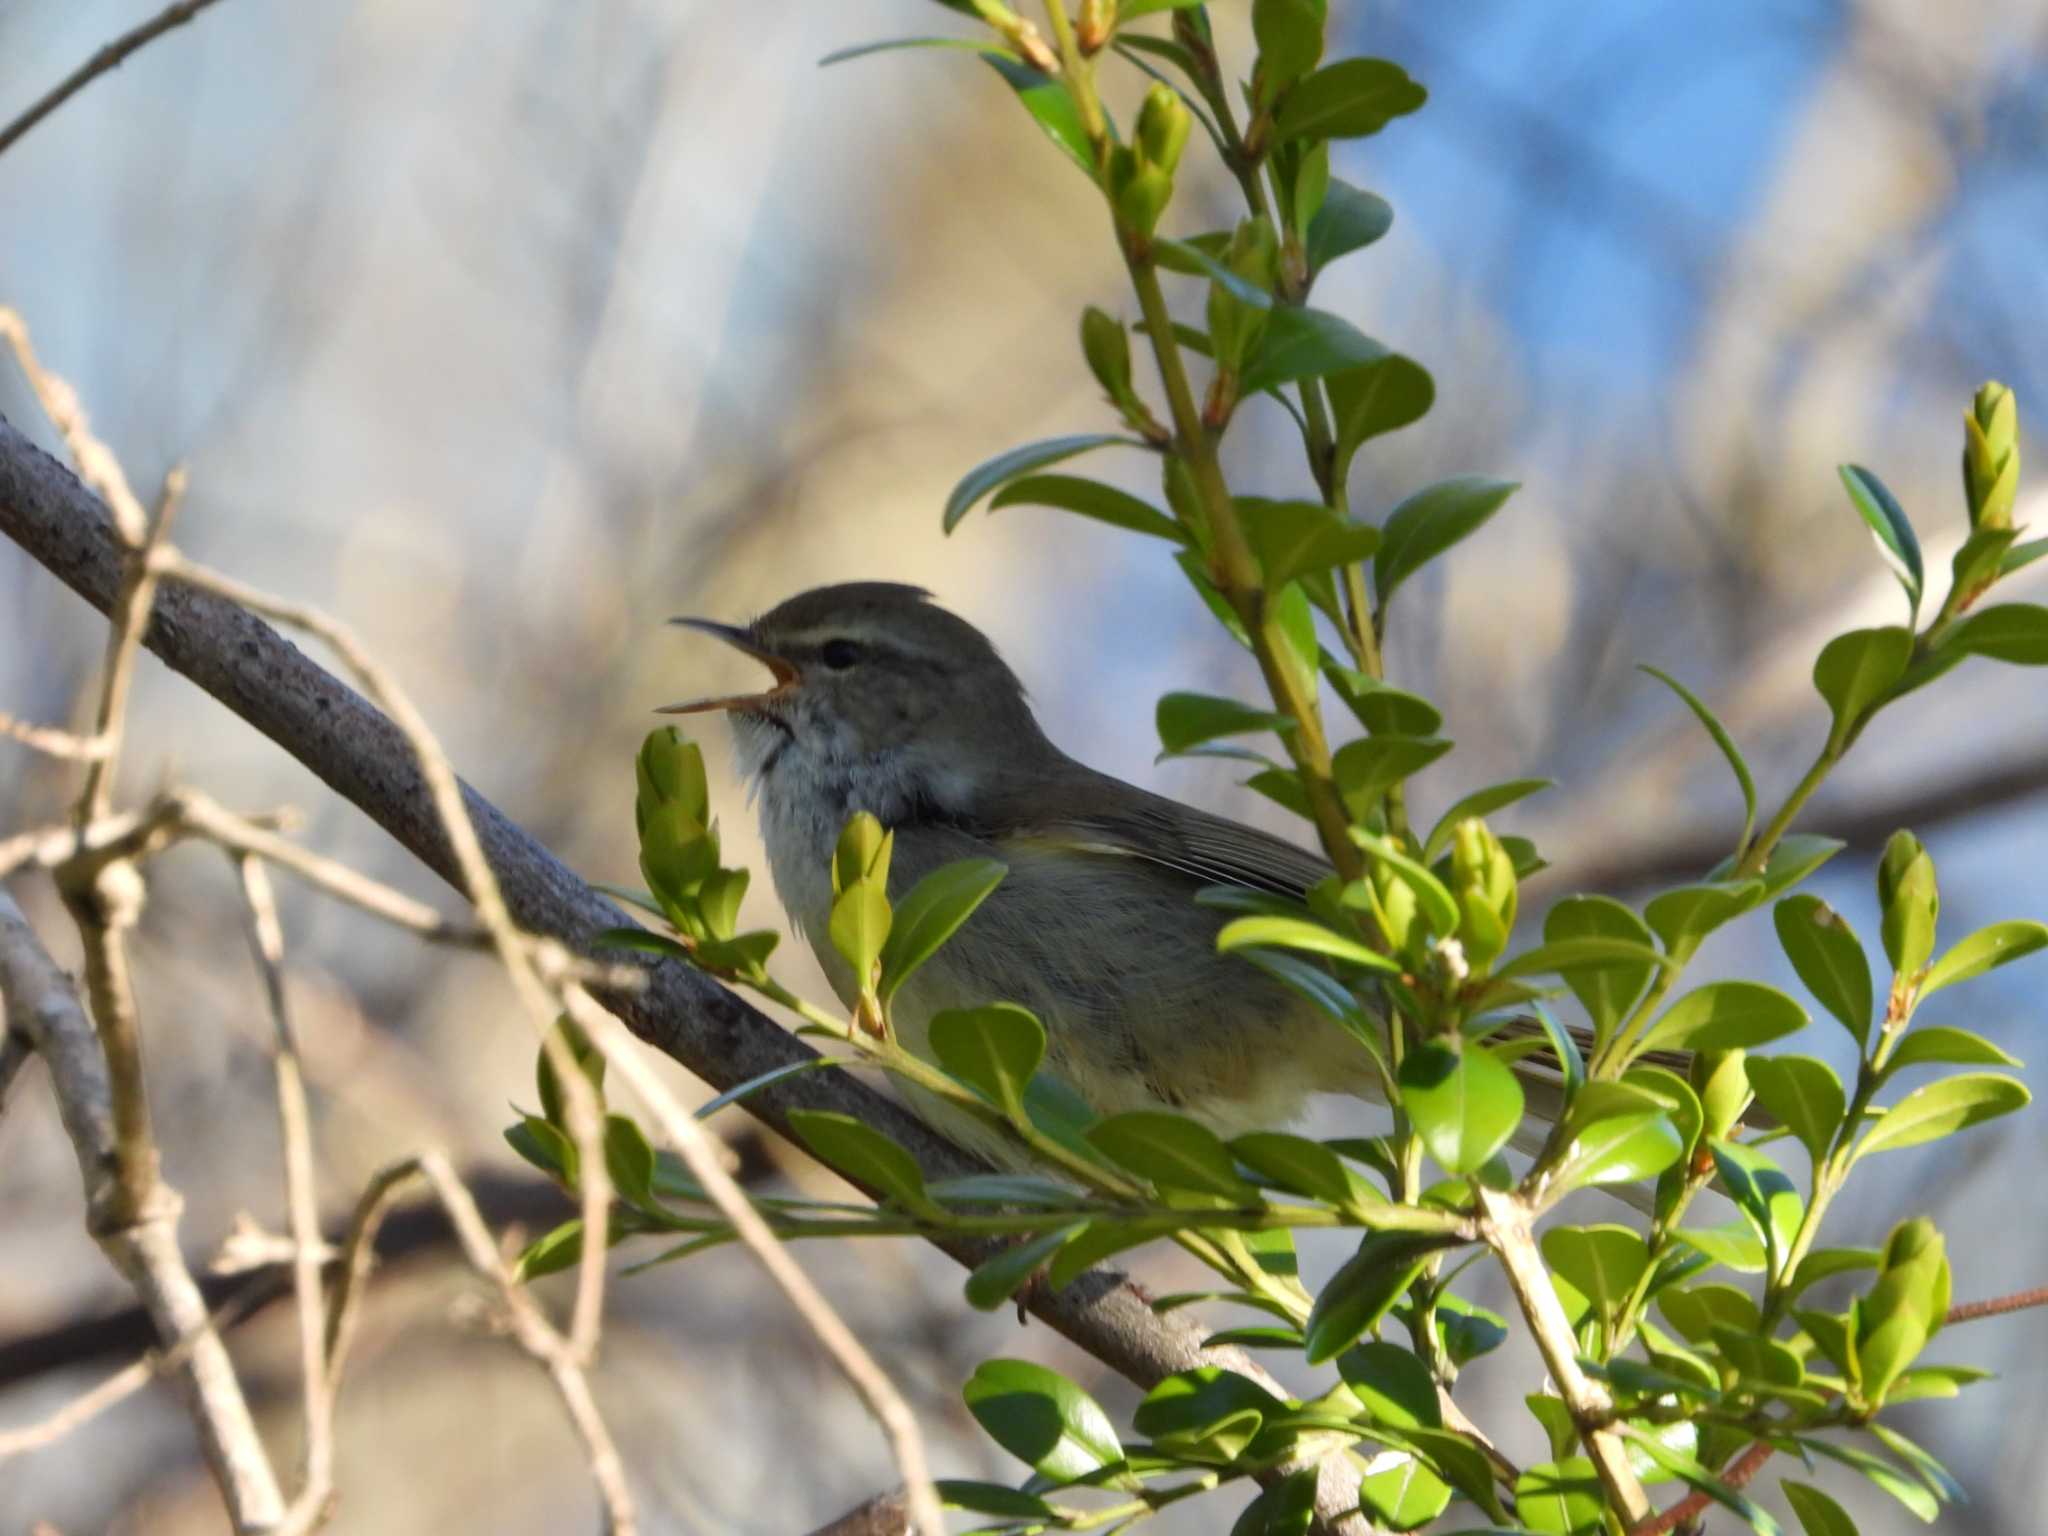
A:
{"x": 42, "y": 1004}
{"x": 107, "y": 56}
{"x": 52, "y": 742}
{"x": 124, "y": 640}
{"x": 96, "y": 464}
{"x": 682, "y": 1131}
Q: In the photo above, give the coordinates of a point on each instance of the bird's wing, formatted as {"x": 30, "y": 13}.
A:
{"x": 1211, "y": 850}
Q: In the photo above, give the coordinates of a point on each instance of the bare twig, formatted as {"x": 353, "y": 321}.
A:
{"x": 42, "y": 1004}
{"x": 97, "y": 466}
{"x": 689, "y": 1138}
{"x": 106, "y": 57}
{"x": 124, "y": 639}
{"x": 51, "y": 741}
{"x": 302, "y": 1202}
{"x": 1997, "y": 1306}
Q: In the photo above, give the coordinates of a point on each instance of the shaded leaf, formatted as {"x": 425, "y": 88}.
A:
{"x": 930, "y": 912}
{"x": 1724, "y": 1016}
{"x": 1430, "y": 522}
{"x": 1359, "y": 1294}
{"x": 1854, "y": 672}
{"x": 1829, "y": 958}
{"x": 1349, "y": 220}
{"x": 1606, "y": 992}
{"x": 1348, "y": 100}
{"x": 888, "y": 45}
{"x": 1379, "y": 396}
{"x": 1719, "y": 732}
{"x": 1887, "y": 522}
{"x": 1173, "y": 1152}
{"x": 993, "y": 1049}
{"x": 1805, "y": 1095}
{"x": 1481, "y": 802}
{"x": 1295, "y": 538}
{"x": 1818, "y": 1514}
{"x": 1042, "y": 1419}
{"x": 1090, "y": 498}
{"x": 1303, "y": 343}
{"x": 1004, "y": 467}
{"x": 1050, "y": 106}
{"x": 996, "y": 1279}
{"x": 865, "y": 1155}
{"x": 1188, "y": 719}
{"x": 2010, "y": 632}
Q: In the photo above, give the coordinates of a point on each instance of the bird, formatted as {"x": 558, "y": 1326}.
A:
{"x": 883, "y": 701}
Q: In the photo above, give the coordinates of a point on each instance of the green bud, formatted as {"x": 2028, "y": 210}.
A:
{"x": 1991, "y": 456}
{"x": 670, "y": 770}
{"x": 1483, "y": 880}
{"x": 1911, "y": 902}
{"x": 1108, "y": 350}
{"x": 1894, "y": 1320}
{"x": 1143, "y": 198}
{"x": 1722, "y": 1081}
{"x": 863, "y": 853}
{"x": 1163, "y": 124}
{"x": 1235, "y": 326}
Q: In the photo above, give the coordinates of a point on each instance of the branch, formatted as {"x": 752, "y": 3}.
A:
{"x": 362, "y": 756}
{"x": 108, "y": 56}
{"x": 42, "y": 1004}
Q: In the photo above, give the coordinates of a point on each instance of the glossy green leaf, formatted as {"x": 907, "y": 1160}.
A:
{"x": 1285, "y": 1508}
{"x": 1759, "y": 1359}
{"x": 1805, "y": 1095}
{"x": 1829, "y": 958}
{"x": 1042, "y": 1419}
{"x": 930, "y": 912}
{"x": 1561, "y": 1498}
{"x": 1173, "y": 1152}
{"x": 1093, "y": 499}
{"x": 1942, "y": 1108}
{"x": 629, "y": 1159}
{"x": 1187, "y": 720}
{"x": 1556, "y": 1418}
{"x": 1889, "y": 527}
{"x": 1606, "y": 992}
{"x": 1620, "y": 1150}
{"x": 1928, "y": 1043}
{"x": 1602, "y": 1263}
{"x": 1348, "y": 100}
{"x": 1825, "y": 1263}
{"x": 1467, "y": 1329}
{"x": 1438, "y": 907}
{"x": 1430, "y": 522}
{"x": 1305, "y": 1167}
{"x": 1586, "y": 953}
{"x": 1463, "y": 1103}
{"x": 1908, "y": 1492}
{"x": 1683, "y": 917}
{"x": 1985, "y": 950}
{"x": 1733, "y": 1245}
{"x": 2009, "y": 632}
{"x": 1403, "y": 1495}
{"x": 1695, "y": 1311}
{"x": 1714, "y": 728}
{"x": 1194, "y": 1406}
{"x": 1725, "y": 1016}
{"x": 995, "y": 1280}
{"x": 1295, "y": 538}
{"x": 1379, "y": 396}
{"x": 1359, "y": 1294}
{"x": 993, "y": 1049}
{"x": 1367, "y": 768}
{"x": 1395, "y": 1386}
{"x": 1763, "y": 1192}
{"x": 1303, "y": 343}
{"x": 1699, "y": 1478}
{"x": 866, "y": 1156}
{"x": 860, "y": 926}
{"x": 552, "y": 1252}
{"x": 990, "y": 1499}
{"x": 1005, "y": 467}
{"x": 1818, "y": 1514}
{"x": 1349, "y": 220}
{"x": 1797, "y": 855}
{"x": 1382, "y": 710}
{"x": 1481, "y": 802}
{"x": 1051, "y": 107}
{"x": 1854, "y": 672}
{"x": 1302, "y": 933}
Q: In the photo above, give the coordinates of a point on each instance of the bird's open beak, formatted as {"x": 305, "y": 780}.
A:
{"x": 781, "y": 668}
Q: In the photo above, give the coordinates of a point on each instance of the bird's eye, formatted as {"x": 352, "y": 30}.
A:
{"x": 840, "y": 654}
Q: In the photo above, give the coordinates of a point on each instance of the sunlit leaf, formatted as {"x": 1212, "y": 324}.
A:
{"x": 1042, "y": 1419}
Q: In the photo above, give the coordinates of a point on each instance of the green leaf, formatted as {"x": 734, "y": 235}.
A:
{"x": 1759, "y": 1359}
{"x": 1881, "y": 1472}
{"x": 1937, "y": 1477}
{"x": 1620, "y": 1150}
{"x": 1606, "y": 992}
{"x": 1942, "y": 1108}
{"x": 588, "y": 1059}
{"x": 1051, "y": 107}
{"x": 1305, "y": 1167}
{"x": 1173, "y": 1152}
{"x": 545, "y": 1146}
{"x": 1295, "y": 538}
{"x": 2010, "y": 632}
{"x": 862, "y": 50}
{"x": 1439, "y": 909}
{"x": 1382, "y": 710}
{"x": 1698, "y": 1477}
{"x": 1602, "y": 1263}
{"x": 866, "y": 1156}
{"x": 1696, "y": 1310}
{"x": 1191, "y": 1407}
{"x": 993, "y": 1049}
{"x": 1888, "y": 525}
{"x": 1359, "y": 1294}
{"x": 1804, "y": 1093}
{"x": 859, "y": 926}
{"x": 1042, "y": 1419}
{"x": 1685, "y": 916}
{"x": 1481, "y": 802}
{"x": 1985, "y": 950}
{"x": 930, "y": 912}
{"x": 1819, "y": 1515}
{"x": 1303, "y": 934}
{"x": 1349, "y": 99}
{"x": 1719, "y": 732}
{"x": 1367, "y": 768}
{"x": 1853, "y": 674}
{"x": 1581, "y": 954}
{"x": 1464, "y": 1103}
{"x": 1829, "y": 958}
{"x": 1194, "y": 257}
{"x": 1395, "y": 1386}
{"x": 1763, "y": 1193}
{"x": 1303, "y": 343}
{"x": 552, "y": 1252}
{"x": 1403, "y": 1495}
{"x": 1090, "y": 498}
{"x": 629, "y": 1159}
{"x": 995, "y": 1280}
{"x": 1561, "y": 1498}
{"x": 1349, "y": 220}
{"x": 1797, "y": 855}
{"x": 1953, "y": 1047}
{"x": 1382, "y": 395}
{"x": 1430, "y": 522}
{"x": 1188, "y": 719}
{"x": 1724, "y": 1016}
{"x": 1287, "y": 1508}
{"x": 990, "y": 1499}
{"x": 1005, "y": 467}
{"x": 1734, "y": 1246}
{"x": 2022, "y": 555}
{"x": 1825, "y": 1263}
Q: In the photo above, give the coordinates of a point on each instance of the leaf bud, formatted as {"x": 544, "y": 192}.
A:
{"x": 1991, "y": 456}
{"x": 1722, "y": 1081}
{"x": 1163, "y": 124}
{"x": 1108, "y": 350}
{"x": 1911, "y": 902}
{"x": 1483, "y": 880}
